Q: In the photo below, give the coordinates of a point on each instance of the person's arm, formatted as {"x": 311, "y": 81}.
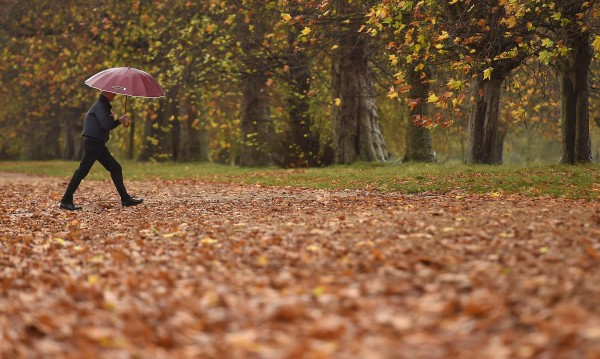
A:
{"x": 106, "y": 119}
{"x": 116, "y": 123}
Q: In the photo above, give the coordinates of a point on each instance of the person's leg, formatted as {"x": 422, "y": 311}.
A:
{"x": 116, "y": 173}
{"x": 91, "y": 151}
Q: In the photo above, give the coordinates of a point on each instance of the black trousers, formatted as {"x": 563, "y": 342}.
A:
{"x": 96, "y": 150}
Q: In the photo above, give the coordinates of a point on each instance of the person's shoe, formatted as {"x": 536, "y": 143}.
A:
{"x": 131, "y": 202}
{"x": 69, "y": 206}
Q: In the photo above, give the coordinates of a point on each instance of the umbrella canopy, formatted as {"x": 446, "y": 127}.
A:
{"x": 126, "y": 81}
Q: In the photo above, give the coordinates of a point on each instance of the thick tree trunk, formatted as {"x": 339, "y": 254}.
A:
{"x": 304, "y": 148}
{"x": 356, "y": 133}
{"x": 72, "y": 128}
{"x": 484, "y": 121}
{"x": 419, "y": 147}
{"x": 502, "y": 132}
{"x": 42, "y": 141}
{"x": 150, "y": 144}
{"x": 157, "y": 137}
{"x": 257, "y": 129}
{"x": 573, "y": 75}
{"x": 193, "y": 141}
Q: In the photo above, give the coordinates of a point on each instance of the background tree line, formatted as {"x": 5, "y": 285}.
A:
{"x": 307, "y": 82}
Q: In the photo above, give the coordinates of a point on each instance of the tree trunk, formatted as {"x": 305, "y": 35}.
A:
{"x": 157, "y": 139}
{"x": 573, "y": 75}
{"x": 304, "y": 145}
{"x": 419, "y": 147}
{"x": 484, "y": 121}
{"x": 257, "y": 129}
{"x": 502, "y": 132}
{"x": 42, "y": 141}
{"x": 356, "y": 133}
{"x": 150, "y": 141}
{"x": 191, "y": 145}
{"x": 256, "y": 126}
{"x": 72, "y": 128}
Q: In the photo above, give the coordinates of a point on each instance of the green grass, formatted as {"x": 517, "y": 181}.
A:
{"x": 552, "y": 180}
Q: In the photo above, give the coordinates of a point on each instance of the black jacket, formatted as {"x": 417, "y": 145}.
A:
{"x": 99, "y": 120}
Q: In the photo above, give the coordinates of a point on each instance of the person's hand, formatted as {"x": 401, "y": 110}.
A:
{"x": 125, "y": 120}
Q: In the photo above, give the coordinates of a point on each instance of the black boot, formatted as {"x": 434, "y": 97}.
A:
{"x": 67, "y": 199}
{"x": 131, "y": 202}
{"x": 69, "y": 206}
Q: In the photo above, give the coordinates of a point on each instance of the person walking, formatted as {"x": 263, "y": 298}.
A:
{"x": 98, "y": 121}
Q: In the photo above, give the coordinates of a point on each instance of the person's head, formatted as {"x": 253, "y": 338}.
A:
{"x": 109, "y": 95}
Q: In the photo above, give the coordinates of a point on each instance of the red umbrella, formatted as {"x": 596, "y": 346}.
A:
{"x": 126, "y": 81}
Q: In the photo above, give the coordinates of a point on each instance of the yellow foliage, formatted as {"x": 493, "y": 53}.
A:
{"x": 487, "y": 73}
{"x": 432, "y": 98}
{"x": 596, "y": 45}
{"x": 443, "y": 36}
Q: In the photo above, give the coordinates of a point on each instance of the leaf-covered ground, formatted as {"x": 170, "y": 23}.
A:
{"x": 206, "y": 270}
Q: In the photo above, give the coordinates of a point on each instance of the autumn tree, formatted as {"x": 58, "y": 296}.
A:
{"x": 252, "y": 25}
{"x": 44, "y": 59}
{"x": 192, "y": 144}
{"x": 334, "y": 28}
{"x": 413, "y": 75}
{"x": 275, "y": 59}
{"x": 571, "y": 24}
{"x": 498, "y": 38}
{"x": 356, "y": 130}
{"x": 304, "y": 147}
{"x": 481, "y": 43}
{"x": 198, "y": 55}
{"x": 419, "y": 144}
{"x": 183, "y": 44}
{"x": 530, "y": 108}
{"x": 491, "y": 36}
{"x": 285, "y": 81}
{"x": 179, "y": 38}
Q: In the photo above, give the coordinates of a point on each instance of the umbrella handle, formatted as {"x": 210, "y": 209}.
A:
{"x": 126, "y": 97}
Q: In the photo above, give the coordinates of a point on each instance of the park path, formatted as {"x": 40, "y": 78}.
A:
{"x": 209, "y": 270}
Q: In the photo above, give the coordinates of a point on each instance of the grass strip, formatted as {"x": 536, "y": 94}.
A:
{"x": 582, "y": 181}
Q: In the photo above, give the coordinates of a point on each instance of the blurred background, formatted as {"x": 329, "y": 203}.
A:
{"x": 259, "y": 75}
